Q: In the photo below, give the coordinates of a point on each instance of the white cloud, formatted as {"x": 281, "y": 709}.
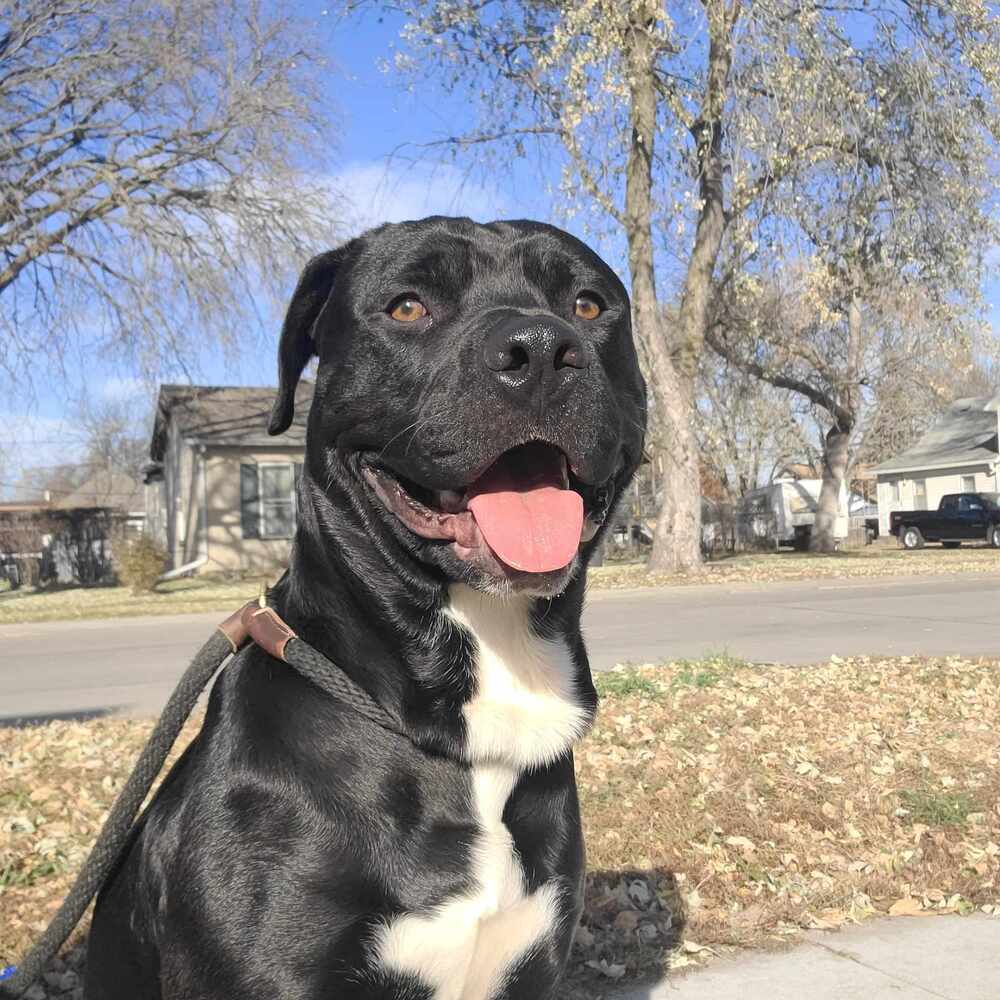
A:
{"x": 118, "y": 388}
{"x": 375, "y": 192}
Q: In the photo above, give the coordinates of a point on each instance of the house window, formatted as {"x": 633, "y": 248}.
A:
{"x": 267, "y": 499}
{"x": 968, "y": 484}
{"x": 920, "y": 494}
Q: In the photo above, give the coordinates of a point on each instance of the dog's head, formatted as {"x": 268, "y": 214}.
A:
{"x": 477, "y": 387}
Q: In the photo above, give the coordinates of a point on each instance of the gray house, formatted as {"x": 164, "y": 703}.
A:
{"x": 959, "y": 454}
{"x": 220, "y": 493}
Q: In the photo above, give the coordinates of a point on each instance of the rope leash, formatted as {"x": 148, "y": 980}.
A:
{"x": 254, "y": 621}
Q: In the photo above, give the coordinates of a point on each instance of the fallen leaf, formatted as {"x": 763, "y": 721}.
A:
{"x": 907, "y": 907}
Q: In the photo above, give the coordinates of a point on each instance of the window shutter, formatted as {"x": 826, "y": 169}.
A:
{"x": 249, "y": 501}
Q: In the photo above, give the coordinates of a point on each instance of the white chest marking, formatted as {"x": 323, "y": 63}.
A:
{"x": 463, "y": 948}
{"x": 525, "y": 711}
{"x": 524, "y": 714}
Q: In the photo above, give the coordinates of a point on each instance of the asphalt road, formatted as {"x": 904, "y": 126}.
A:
{"x": 129, "y": 665}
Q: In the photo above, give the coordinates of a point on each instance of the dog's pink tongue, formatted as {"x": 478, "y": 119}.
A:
{"x": 527, "y": 518}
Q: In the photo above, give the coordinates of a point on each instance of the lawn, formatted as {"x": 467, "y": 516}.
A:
{"x": 175, "y": 597}
{"x": 214, "y": 594}
{"x": 884, "y": 559}
{"x": 725, "y": 806}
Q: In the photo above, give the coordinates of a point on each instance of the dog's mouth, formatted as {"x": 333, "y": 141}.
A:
{"x": 525, "y": 513}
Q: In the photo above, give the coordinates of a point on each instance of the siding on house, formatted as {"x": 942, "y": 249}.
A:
{"x": 228, "y": 549}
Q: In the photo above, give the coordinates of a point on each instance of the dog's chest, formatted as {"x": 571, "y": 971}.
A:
{"x": 526, "y": 711}
{"x": 524, "y": 714}
{"x": 463, "y": 948}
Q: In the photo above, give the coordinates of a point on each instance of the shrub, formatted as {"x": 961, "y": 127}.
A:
{"x": 140, "y": 563}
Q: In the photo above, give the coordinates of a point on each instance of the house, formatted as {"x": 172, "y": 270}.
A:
{"x": 220, "y": 492}
{"x": 959, "y": 454}
{"x": 70, "y": 538}
{"x": 113, "y": 490}
{"x": 109, "y": 505}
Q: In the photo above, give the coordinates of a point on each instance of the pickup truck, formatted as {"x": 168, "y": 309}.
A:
{"x": 960, "y": 517}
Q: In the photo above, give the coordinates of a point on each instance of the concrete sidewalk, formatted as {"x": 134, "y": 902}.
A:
{"x": 948, "y": 958}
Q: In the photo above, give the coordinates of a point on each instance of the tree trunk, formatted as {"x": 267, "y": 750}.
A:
{"x": 677, "y": 538}
{"x": 835, "y": 452}
{"x": 838, "y": 438}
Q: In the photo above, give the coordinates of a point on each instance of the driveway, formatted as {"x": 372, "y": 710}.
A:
{"x": 130, "y": 665}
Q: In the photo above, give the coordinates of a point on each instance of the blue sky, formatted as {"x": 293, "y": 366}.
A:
{"x": 375, "y": 118}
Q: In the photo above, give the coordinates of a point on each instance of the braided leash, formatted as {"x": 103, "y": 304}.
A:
{"x": 254, "y": 621}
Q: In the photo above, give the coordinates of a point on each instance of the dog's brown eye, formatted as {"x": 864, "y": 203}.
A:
{"x": 408, "y": 309}
{"x": 587, "y": 307}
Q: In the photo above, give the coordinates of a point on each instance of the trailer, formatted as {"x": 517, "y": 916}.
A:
{"x": 783, "y": 514}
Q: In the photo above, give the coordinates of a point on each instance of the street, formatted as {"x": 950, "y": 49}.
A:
{"x": 130, "y": 665}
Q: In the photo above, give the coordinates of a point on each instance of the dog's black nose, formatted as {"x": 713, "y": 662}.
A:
{"x": 529, "y": 351}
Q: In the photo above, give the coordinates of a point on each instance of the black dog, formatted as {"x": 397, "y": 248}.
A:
{"x": 478, "y": 409}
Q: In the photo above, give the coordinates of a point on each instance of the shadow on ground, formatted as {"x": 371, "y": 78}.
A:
{"x": 71, "y": 715}
{"x": 632, "y": 919}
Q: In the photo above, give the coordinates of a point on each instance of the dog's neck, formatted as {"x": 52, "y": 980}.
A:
{"x": 443, "y": 658}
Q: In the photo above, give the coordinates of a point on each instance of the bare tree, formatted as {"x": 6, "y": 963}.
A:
{"x": 905, "y": 403}
{"x": 116, "y": 433}
{"x": 879, "y": 241}
{"x": 154, "y": 172}
{"x": 746, "y": 429}
{"x": 673, "y": 124}
{"x": 864, "y": 365}
{"x": 106, "y": 435}
{"x": 602, "y": 100}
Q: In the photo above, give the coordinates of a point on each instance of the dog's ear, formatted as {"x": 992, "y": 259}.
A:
{"x": 298, "y": 343}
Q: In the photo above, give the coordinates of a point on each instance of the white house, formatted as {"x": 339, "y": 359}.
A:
{"x": 959, "y": 454}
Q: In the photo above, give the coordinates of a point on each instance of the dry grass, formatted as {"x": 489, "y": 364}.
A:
{"x": 725, "y": 805}
{"x": 175, "y": 597}
{"x": 213, "y": 594}
{"x": 881, "y": 560}
{"x": 752, "y": 802}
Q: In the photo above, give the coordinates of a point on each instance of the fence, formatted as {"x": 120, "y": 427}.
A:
{"x": 726, "y": 529}
{"x": 860, "y": 530}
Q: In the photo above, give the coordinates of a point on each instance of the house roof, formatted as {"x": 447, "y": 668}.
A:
{"x": 226, "y": 415}
{"x": 110, "y": 488}
{"x": 24, "y": 506}
{"x": 966, "y": 434}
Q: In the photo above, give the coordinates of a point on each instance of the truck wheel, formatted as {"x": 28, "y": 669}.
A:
{"x": 995, "y": 536}
{"x": 912, "y": 539}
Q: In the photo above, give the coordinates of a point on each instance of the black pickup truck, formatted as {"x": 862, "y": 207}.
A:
{"x": 960, "y": 517}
